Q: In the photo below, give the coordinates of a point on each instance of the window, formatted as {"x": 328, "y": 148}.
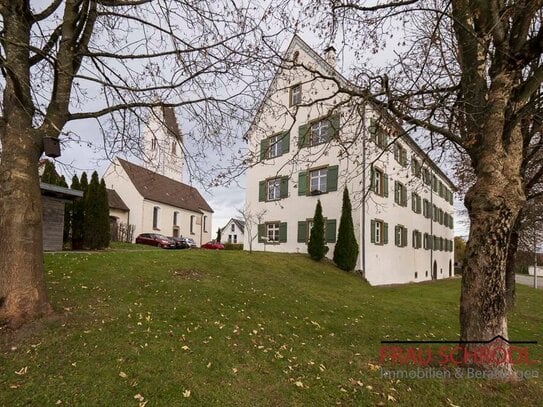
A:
{"x": 377, "y": 134}
{"x": 296, "y": 95}
{"x": 275, "y": 146}
{"x": 426, "y": 211}
{"x": 154, "y": 143}
{"x": 435, "y": 243}
{"x": 415, "y": 202}
{"x": 434, "y": 183}
{"x": 304, "y": 230}
{"x": 229, "y": 238}
{"x": 440, "y": 216}
{"x": 435, "y": 213}
{"x": 274, "y": 189}
{"x": 272, "y": 232}
{"x": 235, "y": 238}
{"x": 205, "y": 223}
{"x": 276, "y": 143}
{"x": 379, "y": 232}
{"x": 427, "y": 241}
{"x": 319, "y": 132}
{"x": 175, "y": 218}
{"x": 318, "y": 181}
{"x": 379, "y": 182}
{"x": 426, "y": 176}
{"x": 174, "y": 147}
{"x": 156, "y": 211}
{"x": 233, "y": 227}
{"x": 416, "y": 168}
{"x": 400, "y": 154}
{"x": 192, "y": 221}
{"x": 441, "y": 189}
{"x": 400, "y": 193}
{"x": 400, "y": 233}
{"x": 417, "y": 239}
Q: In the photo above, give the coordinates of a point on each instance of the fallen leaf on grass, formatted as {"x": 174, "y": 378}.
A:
{"x": 391, "y": 398}
{"x": 451, "y": 403}
{"x": 123, "y": 375}
{"x": 22, "y": 371}
{"x": 299, "y": 384}
{"x": 186, "y": 393}
{"x": 139, "y": 397}
{"x": 185, "y": 347}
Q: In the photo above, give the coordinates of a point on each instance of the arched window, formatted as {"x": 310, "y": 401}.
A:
{"x": 156, "y": 212}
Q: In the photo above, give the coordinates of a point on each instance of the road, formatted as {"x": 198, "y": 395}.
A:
{"x": 529, "y": 280}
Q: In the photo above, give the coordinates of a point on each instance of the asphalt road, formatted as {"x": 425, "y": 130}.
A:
{"x": 529, "y": 280}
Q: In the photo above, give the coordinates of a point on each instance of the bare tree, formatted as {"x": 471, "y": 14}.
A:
{"x": 69, "y": 60}
{"x": 467, "y": 72}
{"x": 251, "y": 219}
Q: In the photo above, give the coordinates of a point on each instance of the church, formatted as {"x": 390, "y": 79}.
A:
{"x": 152, "y": 196}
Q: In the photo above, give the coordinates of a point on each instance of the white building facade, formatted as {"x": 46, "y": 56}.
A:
{"x": 233, "y": 232}
{"x": 311, "y": 141}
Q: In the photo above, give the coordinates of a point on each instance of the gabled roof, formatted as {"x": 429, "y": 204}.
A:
{"x": 115, "y": 201}
{"x": 158, "y": 188}
{"x": 239, "y": 223}
{"x": 327, "y": 69}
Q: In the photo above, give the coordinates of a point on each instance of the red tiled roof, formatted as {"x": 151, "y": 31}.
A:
{"x": 159, "y": 188}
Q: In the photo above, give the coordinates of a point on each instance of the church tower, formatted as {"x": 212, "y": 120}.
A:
{"x": 163, "y": 144}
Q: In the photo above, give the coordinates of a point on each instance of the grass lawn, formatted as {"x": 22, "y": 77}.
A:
{"x": 225, "y": 328}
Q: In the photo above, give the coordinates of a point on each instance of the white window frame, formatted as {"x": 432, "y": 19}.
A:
{"x": 319, "y": 131}
{"x": 272, "y": 232}
{"x": 378, "y": 181}
{"x": 379, "y": 226}
{"x": 320, "y": 177}
{"x": 399, "y": 230}
{"x": 273, "y": 189}
{"x": 275, "y": 146}
{"x": 296, "y": 95}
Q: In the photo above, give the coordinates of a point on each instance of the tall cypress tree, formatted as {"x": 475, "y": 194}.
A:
{"x": 78, "y": 213}
{"x": 92, "y": 214}
{"x": 105, "y": 232}
{"x": 346, "y": 250}
{"x": 317, "y": 244}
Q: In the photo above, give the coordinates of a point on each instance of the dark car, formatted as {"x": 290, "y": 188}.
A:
{"x": 213, "y": 245}
{"x": 155, "y": 239}
{"x": 180, "y": 242}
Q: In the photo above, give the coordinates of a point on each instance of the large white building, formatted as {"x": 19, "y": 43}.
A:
{"x": 153, "y": 197}
{"x": 311, "y": 141}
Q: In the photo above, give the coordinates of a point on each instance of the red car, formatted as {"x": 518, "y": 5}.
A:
{"x": 155, "y": 239}
{"x": 213, "y": 245}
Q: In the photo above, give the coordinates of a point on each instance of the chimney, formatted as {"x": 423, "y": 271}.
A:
{"x": 330, "y": 56}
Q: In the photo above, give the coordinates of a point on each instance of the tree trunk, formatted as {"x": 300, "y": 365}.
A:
{"x": 510, "y": 267}
{"x": 23, "y": 295}
{"x": 493, "y": 204}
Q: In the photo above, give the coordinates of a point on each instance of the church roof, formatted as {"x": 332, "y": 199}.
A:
{"x": 159, "y": 188}
{"x": 115, "y": 201}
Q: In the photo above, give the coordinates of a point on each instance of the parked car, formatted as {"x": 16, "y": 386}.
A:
{"x": 155, "y": 239}
{"x": 180, "y": 242}
{"x": 213, "y": 245}
{"x": 192, "y": 244}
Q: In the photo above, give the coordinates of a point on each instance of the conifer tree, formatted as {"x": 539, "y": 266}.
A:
{"x": 92, "y": 228}
{"x": 316, "y": 246}
{"x": 105, "y": 231}
{"x": 78, "y": 213}
{"x": 346, "y": 250}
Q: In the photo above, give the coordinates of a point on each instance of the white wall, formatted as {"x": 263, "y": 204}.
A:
{"x": 227, "y": 231}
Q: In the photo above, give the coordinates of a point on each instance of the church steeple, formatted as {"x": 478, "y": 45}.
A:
{"x": 163, "y": 144}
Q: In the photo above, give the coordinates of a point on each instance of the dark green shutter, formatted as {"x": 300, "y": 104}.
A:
{"x": 372, "y": 179}
{"x": 283, "y": 187}
{"x": 262, "y": 191}
{"x": 302, "y": 135}
{"x": 404, "y": 195}
{"x": 330, "y": 230}
{"x": 333, "y": 132}
{"x": 404, "y": 237}
{"x": 385, "y": 186}
{"x": 385, "y": 233}
{"x": 261, "y": 232}
{"x": 413, "y": 202}
{"x": 396, "y": 235}
{"x": 331, "y": 178}
{"x": 302, "y": 183}
{"x": 286, "y": 143}
{"x": 264, "y": 145}
{"x": 414, "y": 239}
{"x": 302, "y": 231}
{"x": 373, "y": 127}
{"x": 283, "y": 232}
{"x": 372, "y": 227}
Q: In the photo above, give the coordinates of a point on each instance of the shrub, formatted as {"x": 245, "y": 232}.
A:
{"x": 233, "y": 246}
{"x": 317, "y": 245}
{"x": 346, "y": 250}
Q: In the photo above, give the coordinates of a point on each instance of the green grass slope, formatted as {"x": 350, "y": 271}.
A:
{"x": 226, "y": 328}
